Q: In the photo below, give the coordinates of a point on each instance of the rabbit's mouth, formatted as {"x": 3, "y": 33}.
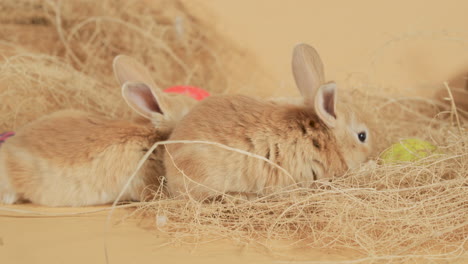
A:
{"x": 314, "y": 175}
{"x": 318, "y": 170}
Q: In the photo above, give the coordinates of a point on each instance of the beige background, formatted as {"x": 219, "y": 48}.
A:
{"x": 405, "y": 46}
{"x": 401, "y": 45}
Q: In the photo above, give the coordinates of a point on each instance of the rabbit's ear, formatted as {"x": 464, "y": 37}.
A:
{"x": 308, "y": 72}
{"x": 141, "y": 98}
{"x": 325, "y": 104}
{"x": 141, "y": 92}
{"x": 127, "y": 69}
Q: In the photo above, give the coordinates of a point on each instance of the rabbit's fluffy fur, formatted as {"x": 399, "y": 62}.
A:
{"x": 318, "y": 138}
{"x": 72, "y": 158}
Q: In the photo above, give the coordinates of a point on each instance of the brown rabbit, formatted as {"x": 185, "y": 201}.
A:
{"x": 72, "y": 158}
{"x": 320, "y": 138}
{"x": 459, "y": 92}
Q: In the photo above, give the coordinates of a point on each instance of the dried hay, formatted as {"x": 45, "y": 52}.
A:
{"x": 76, "y": 41}
{"x": 60, "y": 57}
{"x": 388, "y": 213}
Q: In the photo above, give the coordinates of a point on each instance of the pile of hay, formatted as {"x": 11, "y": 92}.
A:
{"x": 409, "y": 212}
{"x": 58, "y": 54}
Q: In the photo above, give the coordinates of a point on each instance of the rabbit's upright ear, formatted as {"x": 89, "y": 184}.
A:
{"x": 325, "y": 104}
{"x": 143, "y": 95}
{"x": 141, "y": 98}
{"x": 139, "y": 90}
{"x": 308, "y": 71}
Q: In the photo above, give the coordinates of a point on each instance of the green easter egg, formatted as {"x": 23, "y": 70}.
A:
{"x": 407, "y": 150}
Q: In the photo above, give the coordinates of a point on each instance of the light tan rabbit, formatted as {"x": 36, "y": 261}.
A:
{"x": 72, "y": 158}
{"x": 459, "y": 92}
{"x": 320, "y": 138}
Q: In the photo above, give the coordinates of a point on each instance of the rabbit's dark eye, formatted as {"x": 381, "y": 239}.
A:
{"x": 362, "y": 136}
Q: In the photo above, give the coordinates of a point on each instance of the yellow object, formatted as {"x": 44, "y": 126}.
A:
{"x": 406, "y": 150}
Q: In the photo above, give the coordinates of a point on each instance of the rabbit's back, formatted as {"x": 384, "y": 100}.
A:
{"x": 271, "y": 130}
{"x": 73, "y": 158}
